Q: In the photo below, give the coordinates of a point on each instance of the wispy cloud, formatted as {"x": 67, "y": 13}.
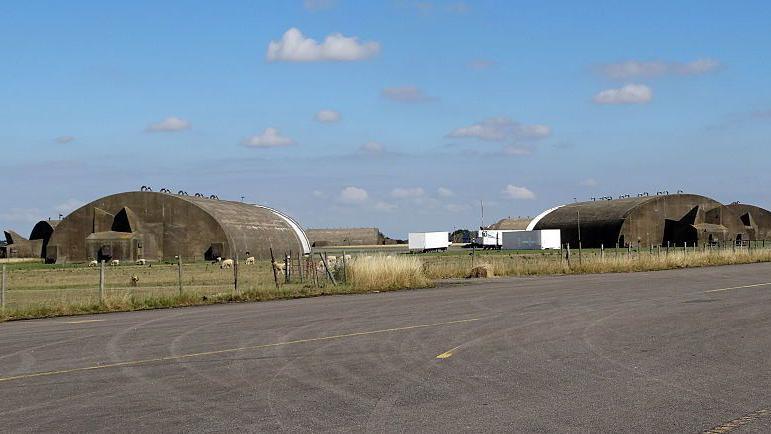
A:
{"x": 629, "y": 94}
{"x": 406, "y": 94}
{"x": 372, "y": 148}
{"x": 170, "y": 124}
{"x": 516, "y": 192}
{"x": 407, "y": 193}
{"x": 295, "y": 47}
{"x": 69, "y": 205}
{"x": 444, "y": 192}
{"x": 501, "y": 129}
{"x": 353, "y": 195}
{"x": 270, "y": 138}
{"x": 328, "y": 116}
{"x": 648, "y": 69}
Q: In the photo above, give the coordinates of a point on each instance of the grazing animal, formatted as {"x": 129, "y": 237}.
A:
{"x": 227, "y": 263}
{"x": 93, "y": 264}
{"x": 279, "y": 267}
{"x": 134, "y": 280}
{"x": 115, "y": 262}
{"x": 141, "y": 262}
{"x": 250, "y": 260}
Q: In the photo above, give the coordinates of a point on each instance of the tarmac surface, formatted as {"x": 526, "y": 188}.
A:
{"x": 670, "y": 351}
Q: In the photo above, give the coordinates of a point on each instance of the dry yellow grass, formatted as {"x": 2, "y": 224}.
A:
{"x": 383, "y": 273}
{"x": 532, "y": 265}
{"x": 36, "y": 293}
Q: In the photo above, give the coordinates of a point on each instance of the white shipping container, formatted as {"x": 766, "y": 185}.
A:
{"x": 491, "y": 238}
{"x": 532, "y": 240}
{"x": 427, "y": 241}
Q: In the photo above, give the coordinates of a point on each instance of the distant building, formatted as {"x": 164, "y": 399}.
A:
{"x": 345, "y": 237}
{"x": 158, "y": 226}
{"x": 16, "y": 246}
{"x": 659, "y": 220}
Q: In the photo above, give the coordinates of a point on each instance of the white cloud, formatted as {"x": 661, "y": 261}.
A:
{"x": 327, "y": 116}
{"x": 385, "y": 206}
{"x": 500, "y": 129}
{"x": 64, "y": 139}
{"x": 319, "y": 194}
{"x": 636, "y": 68}
{"x": 445, "y": 192}
{"x": 69, "y": 206}
{"x": 318, "y": 5}
{"x": 169, "y": 124}
{"x": 629, "y": 94}
{"x": 270, "y": 138}
{"x": 407, "y": 193}
{"x": 372, "y": 148}
{"x": 408, "y": 94}
{"x": 295, "y": 47}
{"x": 589, "y": 182}
{"x": 21, "y": 215}
{"x": 353, "y": 195}
{"x": 515, "y": 192}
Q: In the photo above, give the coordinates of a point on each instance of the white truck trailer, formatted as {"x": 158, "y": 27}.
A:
{"x": 428, "y": 241}
{"x": 532, "y": 240}
{"x": 490, "y": 239}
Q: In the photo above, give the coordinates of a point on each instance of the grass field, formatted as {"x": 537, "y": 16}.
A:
{"x": 37, "y": 290}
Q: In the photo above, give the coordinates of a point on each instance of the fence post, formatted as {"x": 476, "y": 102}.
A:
{"x": 602, "y": 252}
{"x": 567, "y": 255}
{"x": 287, "y": 269}
{"x": 101, "y": 282}
{"x": 326, "y": 267}
{"x": 179, "y": 273}
{"x": 2, "y": 290}
{"x": 235, "y": 276}
{"x": 301, "y": 262}
{"x": 273, "y": 267}
{"x": 580, "y": 254}
{"x": 345, "y": 269}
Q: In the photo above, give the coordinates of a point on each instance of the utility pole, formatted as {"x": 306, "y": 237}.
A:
{"x": 482, "y": 207}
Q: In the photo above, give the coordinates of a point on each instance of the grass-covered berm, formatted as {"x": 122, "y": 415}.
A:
{"x": 39, "y": 290}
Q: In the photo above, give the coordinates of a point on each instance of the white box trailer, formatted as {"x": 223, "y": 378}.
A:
{"x": 491, "y": 238}
{"x": 428, "y": 241}
{"x": 532, "y": 240}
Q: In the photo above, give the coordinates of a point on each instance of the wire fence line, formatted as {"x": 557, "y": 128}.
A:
{"x": 32, "y": 284}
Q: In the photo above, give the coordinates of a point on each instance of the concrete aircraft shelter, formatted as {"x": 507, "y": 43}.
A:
{"x": 655, "y": 221}
{"x": 157, "y": 226}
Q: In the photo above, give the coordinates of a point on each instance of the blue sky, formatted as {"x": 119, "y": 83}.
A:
{"x": 398, "y": 114}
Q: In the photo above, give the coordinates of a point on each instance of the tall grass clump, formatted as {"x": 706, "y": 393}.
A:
{"x": 385, "y": 273}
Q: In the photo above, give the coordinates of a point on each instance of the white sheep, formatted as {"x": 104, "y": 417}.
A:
{"x": 141, "y": 262}
{"x": 280, "y": 268}
{"x": 115, "y": 262}
{"x": 227, "y": 263}
{"x": 93, "y": 263}
{"x": 249, "y": 260}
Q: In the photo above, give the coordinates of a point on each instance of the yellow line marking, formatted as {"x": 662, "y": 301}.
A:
{"x": 83, "y": 321}
{"x": 739, "y": 287}
{"x": 228, "y": 350}
{"x": 447, "y": 354}
{"x": 739, "y": 422}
